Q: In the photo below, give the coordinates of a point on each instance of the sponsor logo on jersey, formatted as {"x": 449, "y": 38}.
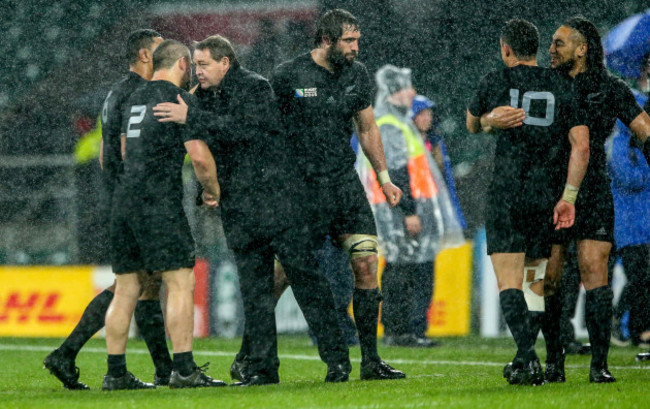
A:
{"x": 601, "y": 232}
{"x": 305, "y": 92}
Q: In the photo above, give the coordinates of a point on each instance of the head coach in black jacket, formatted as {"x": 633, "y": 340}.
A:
{"x": 260, "y": 206}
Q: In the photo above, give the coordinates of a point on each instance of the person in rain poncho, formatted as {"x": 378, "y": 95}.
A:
{"x": 412, "y": 233}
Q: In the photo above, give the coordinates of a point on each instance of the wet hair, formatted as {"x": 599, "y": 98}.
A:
{"x": 595, "y": 54}
{"x": 138, "y": 40}
{"x": 522, "y": 36}
{"x": 219, "y": 47}
{"x": 168, "y": 52}
{"x": 331, "y": 25}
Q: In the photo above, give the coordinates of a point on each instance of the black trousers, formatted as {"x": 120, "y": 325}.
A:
{"x": 254, "y": 250}
{"x": 407, "y": 290}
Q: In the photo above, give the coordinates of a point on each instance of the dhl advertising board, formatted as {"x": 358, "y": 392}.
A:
{"x": 43, "y": 301}
{"x": 450, "y": 310}
{"x": 48, "y": 301}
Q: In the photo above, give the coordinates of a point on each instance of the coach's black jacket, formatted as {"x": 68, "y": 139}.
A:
{"x": 240, "y": 122}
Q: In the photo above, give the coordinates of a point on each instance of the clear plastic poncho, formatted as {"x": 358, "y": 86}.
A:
{"x": 403, "y": 146}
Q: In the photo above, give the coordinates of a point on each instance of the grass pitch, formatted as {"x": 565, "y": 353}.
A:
{"x": 464, "y": 372}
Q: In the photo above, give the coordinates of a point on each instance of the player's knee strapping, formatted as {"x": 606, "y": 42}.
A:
{"x": 532, "y": 275}
{"x": 360, "y": 245}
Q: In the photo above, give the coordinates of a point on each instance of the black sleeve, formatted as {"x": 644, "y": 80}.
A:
{"x": 192, "y": 132}
{"x": 478, "y": 105}
{"x": 400, "y": 178}
{"x": 361, "y": 98}
{"x": 249, "y": 114}
{"x": 577, "y": 115}
{"x": 281, "y": 89}
{"x": 628, "y": 108}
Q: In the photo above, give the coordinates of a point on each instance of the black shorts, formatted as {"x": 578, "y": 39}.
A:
{"x": 518, "y": 229}
{"x": 338, "y": 208}
{"x": 149, "y": 240}
{"x": 594, "y": 217}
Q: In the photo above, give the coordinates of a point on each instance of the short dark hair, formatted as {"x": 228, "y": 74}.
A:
{"x": 331, "y": 25}
{"x": 168, "y": 52}
{"x": 595, "y": 53}
{"x": 219, "y": 47}
{"x": 138, "y": 40}
{"x": 522, "y": 36}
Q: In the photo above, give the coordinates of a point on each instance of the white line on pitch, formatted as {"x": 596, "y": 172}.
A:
{"x": 40, "y": 348}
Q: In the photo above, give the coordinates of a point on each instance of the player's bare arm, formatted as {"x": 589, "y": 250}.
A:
{"x": 370, "y": 142}
{"x": 123, "y": 145}
{"x": 473, "y": 123}
{"x": 171, "y": 112}
{"x": 101, "y": 154}
{"x": 564, "y": 212}
{"x": 205, "y": 169}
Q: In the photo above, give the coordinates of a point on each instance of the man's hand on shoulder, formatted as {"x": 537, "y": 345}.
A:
{"x": 170, "y": 112}
{"x": 393, "y": 193}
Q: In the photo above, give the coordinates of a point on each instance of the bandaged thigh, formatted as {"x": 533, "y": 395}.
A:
{"x": 532, "y": 275}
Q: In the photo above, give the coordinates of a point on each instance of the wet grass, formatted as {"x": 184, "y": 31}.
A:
{"x": 464, "y": 372}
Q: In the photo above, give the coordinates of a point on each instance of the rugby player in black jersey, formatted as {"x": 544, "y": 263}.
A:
{"x": 148, "y": 314}
{"x": 523, "y": 202}
{"x": 321, "y": 95}
{"x": 260, "y": 209}
{"x": 577, "y": 50}
{"x": 150, "y": 234}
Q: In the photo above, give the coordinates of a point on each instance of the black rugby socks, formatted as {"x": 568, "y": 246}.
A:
{"x": 515, "y": 311}
{"x": 365, "y": 304}
{"x": 551, "y": 326}
{"x": 91, "y": 321}
{"x": 184, "y": 363}
{"x": 150, "y": 321}
{"x": 598, "y": 317}
{"x": 117, "y": 365}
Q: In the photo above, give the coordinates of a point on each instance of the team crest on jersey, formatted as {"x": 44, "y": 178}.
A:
{"x": 305, "y": 92}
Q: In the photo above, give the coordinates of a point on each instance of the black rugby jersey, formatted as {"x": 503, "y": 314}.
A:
{"x": 154, "y": 150}
{"x": 529, "y": 158}
{"x": 604, "y": 98}
{"x": 317, "y": 108}
{"x": 112, "y": 126}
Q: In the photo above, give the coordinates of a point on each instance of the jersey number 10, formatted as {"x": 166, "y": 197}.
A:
{"x": 528, "y": 97}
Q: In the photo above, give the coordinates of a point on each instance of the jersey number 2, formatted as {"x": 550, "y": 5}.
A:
{"x": 528, "y": 97}
{"x": 137, "y": 116}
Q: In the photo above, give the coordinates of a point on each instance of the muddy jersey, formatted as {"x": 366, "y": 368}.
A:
{"x": 112, "y": 126}
{"x": 154, "y": 150}
{"x": 317, "y": 108}
{"x": 527, "y": 158}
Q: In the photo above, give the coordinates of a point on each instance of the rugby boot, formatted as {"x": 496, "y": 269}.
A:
{"x": 238, "y": 370}
{"x": 64, "y": 369}
{"x": 601, "y": 375}
{"x": 197, "y": 379}
{"x": 258, "y": 380}
{"x": 528, "y": 374}
{"x": 379, "y": 370}
{"x": 555, "y": 369}
{"x": 162, "y": 380}
{"x": 507, "y": 370}
{"x": 127, "y": 381}
{"x": 643, "y": 356}
{"x": 337, "y": 373}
